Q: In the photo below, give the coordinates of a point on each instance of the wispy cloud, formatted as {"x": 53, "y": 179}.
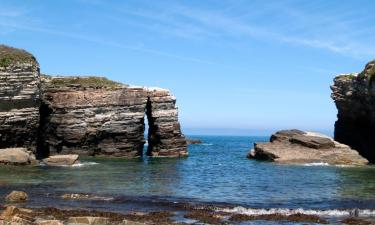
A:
{"x": 90, "y": 38}
{"x": 291, "y": 26}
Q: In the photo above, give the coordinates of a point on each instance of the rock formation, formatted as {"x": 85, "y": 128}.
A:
{"x": 17, "y": 156}
{"x": 298, "y": 147}
{"x": 19, "y": 98}
{"x": 354, "y": 95}
{"x": 83, "y": 115}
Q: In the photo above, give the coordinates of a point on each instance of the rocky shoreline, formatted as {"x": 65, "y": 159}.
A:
{"x": 183, "y": 213}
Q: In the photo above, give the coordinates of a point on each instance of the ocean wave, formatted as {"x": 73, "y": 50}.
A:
{"x": 206, "y": 144}
{"x": 316, "y": 164}
{"x": 287, "y": 212}
{"x": 326, "y": 164}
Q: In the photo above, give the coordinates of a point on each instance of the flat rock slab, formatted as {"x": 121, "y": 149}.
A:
{"x": 61, "y": 160}
{"x": 298, "y": 147}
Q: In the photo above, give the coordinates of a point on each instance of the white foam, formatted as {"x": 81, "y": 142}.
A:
{"x": 316, "y": 164}
{"x": 284, "y": 211}
{"x": 82, "y": 164}
{"x": 206, "y": 144}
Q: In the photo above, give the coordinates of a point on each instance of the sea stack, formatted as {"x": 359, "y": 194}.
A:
{"x": 54, "y": 115}
{"x": 354, "y": 95}
{"x": 19, "y": 98}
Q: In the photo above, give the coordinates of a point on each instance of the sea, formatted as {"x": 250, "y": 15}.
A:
{"x": 216, "y": 173}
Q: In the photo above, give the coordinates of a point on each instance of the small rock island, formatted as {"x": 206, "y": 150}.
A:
{"x": 299, "y": 147}
{"x": 52, "y": 115}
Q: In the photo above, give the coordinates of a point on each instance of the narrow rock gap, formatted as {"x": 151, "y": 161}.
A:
{"x": 42, "y": 150}
{"x": 152, "y": 137}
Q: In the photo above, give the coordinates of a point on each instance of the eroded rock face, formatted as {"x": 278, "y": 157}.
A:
{"x": 354, "y": 95}
{"x": 85, "y": 116}
{"x": 108, "y": 119}
{"x": 19, "y": 98}
{"x": 298, "y": 147}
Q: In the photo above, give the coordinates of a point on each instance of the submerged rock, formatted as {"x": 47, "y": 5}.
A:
{"x": 354, "y": 95}
{"x": 17, "y": 196}
{"x": 61, "y": 160}
{"x": 298, "y": 147}
{"x": 17, "y": 156}
{"x": 193, "y": 141}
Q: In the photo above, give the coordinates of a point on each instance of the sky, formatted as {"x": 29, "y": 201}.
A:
{"x": 236, "y": 66}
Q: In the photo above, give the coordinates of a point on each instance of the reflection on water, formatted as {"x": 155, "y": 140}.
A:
{"x": 357, "y": 182}
{"x": 216, "y": 171}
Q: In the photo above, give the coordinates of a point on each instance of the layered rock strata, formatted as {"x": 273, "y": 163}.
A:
{"x": 83, "y": 115}
{"x": 298, "y": 147}
{"x": 354, "y": 95}
{"x": 19, "y": 98}
{"x": 106, "y": 118}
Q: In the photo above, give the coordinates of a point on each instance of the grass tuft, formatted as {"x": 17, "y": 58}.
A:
{"x": 9, "y": 56}
{"x": 83, "y": 82}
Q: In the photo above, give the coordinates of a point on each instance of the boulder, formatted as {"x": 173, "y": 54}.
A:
{"x": 17, "y": 156}
{"x": 298, "y": 147}
{"x": 61, "y": 160}
{"x": 17, "y": 196}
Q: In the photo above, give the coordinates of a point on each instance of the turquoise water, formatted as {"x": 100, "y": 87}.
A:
{"x": 216, "y": 172}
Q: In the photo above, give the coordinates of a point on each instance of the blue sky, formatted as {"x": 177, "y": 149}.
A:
{"x": 235, "y": 66}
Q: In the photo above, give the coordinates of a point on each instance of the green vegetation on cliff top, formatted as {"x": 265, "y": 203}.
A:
{"x": 85, "y": 82}
{"x": 9, "y": 55}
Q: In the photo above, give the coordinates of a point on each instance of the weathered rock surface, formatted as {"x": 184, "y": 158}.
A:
{"x": 61, "y": 160}
{"x": 88, "y": 220}
{"x": 19, "y": 98}
{"x": 17, "y": 156}
{"x": 109, "y": 120}
{"x": 298, "y": 147}
{"x": 354, "y": 95}
{"x": 16, "y": 196}
{"x": 82, "y": 115}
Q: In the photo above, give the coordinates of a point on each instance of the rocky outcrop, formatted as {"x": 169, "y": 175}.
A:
{"x": 354, "y": 95}
{"x": 19, "y": 98}
{"x": 17, "y": 196}
{"x": 83, "y": 115}
{"x": 17, "y": 156}
{"x": 61, "y": 160}
{"x": 94, "y": 116}
{"x": 298, "y": 147}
